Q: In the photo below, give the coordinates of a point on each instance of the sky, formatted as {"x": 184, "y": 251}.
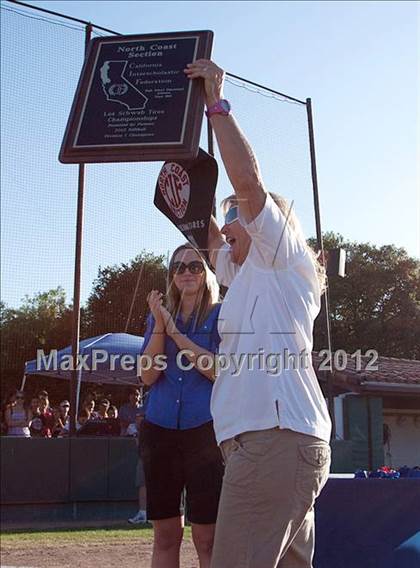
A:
{"x": 358, "y": 61}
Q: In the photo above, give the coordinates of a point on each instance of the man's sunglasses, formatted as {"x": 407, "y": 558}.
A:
{"x": 195, "y": 267}
{"x": 232, "y": 215}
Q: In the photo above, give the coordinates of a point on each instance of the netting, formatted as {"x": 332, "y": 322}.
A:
{"x": 41, "y": 62}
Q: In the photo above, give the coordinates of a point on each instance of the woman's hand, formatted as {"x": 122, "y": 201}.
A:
{"x": 213, "y": 78}
{"x": 154, "y": 299}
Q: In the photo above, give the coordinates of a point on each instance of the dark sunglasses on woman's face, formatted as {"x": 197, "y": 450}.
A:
{"x": 195, "y": 267}
{"x": 20, "y": 397}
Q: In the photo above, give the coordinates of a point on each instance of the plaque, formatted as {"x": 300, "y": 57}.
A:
{"x": 134, "y": 102}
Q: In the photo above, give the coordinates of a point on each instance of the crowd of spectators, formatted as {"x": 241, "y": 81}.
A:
{"x": 36, "y": 418}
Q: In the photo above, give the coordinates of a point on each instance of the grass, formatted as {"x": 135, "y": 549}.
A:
{"x": 56, "y": 535}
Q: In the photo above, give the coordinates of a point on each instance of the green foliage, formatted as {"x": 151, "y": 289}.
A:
{"x": 376, "y": 305}
{"x": 41, "y": 322}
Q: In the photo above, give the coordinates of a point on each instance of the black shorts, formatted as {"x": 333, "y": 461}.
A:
{"x": 178, "y": 459}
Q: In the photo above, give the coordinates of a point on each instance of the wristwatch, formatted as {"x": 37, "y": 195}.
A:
{"x": 222, "y": 107}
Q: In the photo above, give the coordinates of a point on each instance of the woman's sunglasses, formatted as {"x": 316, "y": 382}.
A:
{"x": 195, "y": 267}
{"x": 232, "y": 215}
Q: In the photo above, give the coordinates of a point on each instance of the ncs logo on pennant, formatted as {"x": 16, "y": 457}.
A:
{"x": 174, "y": 184}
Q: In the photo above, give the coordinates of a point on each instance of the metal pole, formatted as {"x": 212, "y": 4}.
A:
{"x": 23, "y": 383}
{"x": 369, "y": 440}
{"x": 210, "y": 139}
{"x": 77, "y": 280}
{"x": 210, "y": 147}
{"x": 325, "y": 309}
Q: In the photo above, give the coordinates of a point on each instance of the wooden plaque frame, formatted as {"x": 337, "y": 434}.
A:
{"x": 141, "y": 94}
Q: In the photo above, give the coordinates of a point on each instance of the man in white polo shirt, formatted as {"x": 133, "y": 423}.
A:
{"x": 271, "y": 420}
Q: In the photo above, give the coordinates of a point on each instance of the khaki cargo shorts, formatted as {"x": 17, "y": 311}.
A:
{"x": 266, "y": 509}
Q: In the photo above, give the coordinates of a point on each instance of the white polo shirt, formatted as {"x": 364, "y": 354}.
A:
{"x": 266, "y": 322}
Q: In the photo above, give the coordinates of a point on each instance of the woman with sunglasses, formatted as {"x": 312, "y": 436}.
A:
{"x": 18, "y": 417}
{"x": 177, "y": 442}
{"x": 271, "y": 421}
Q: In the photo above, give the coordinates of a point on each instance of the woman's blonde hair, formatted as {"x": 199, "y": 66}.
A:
{"x": 294, "y": 225}
{"x": 208, "y": 294}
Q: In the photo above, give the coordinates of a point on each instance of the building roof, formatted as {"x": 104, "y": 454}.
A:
{"x": 386, "y": 374}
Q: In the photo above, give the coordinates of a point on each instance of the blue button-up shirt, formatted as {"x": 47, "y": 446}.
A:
{"x": 181, "y": 399}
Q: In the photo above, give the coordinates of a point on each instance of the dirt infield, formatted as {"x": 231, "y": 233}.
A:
{"x": 126, "y": 549}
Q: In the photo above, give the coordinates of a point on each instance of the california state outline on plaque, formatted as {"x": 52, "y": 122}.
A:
{"x": 118, "y": 89}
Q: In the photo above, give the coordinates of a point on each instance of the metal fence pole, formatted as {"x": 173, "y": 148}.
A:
{"x": 77, "y": 279}
{"x": 210, "y": 148}
{"x": 325, "y": 308}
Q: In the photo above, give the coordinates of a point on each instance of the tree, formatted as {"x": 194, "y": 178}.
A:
{"x": 376, "y": 305}
{"x": 114, "y": 290}
{"x": 41, "y": 322}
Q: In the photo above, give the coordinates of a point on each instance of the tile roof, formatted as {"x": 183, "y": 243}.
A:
{"x": 389, "y": 371}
